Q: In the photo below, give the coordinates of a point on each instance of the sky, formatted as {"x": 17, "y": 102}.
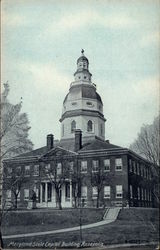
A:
{"x": 42, "y": 40}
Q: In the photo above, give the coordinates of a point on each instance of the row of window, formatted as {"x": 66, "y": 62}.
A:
{"x": 106, "y": 163}
{"x": 25, "y": 194}
{"x": 90, "y": 127}
{"x": 107, "y": 192}
{"x": 141, "y": 194}
{"x": 26, "y": 171}
{"x": 139, "y": 169}
{"x": 95, "y": 167}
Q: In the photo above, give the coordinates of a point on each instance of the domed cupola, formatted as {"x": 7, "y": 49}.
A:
{"x": 82, "y": 72}
{"x": 82, "y": 106}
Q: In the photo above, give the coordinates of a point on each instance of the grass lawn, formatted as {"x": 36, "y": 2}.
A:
{"x": 132, "y": 226}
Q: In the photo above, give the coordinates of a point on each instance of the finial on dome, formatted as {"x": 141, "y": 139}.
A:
{"x": 82, "y": 51}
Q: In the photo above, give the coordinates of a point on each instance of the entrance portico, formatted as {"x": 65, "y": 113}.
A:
{"x": 48, "y": 196}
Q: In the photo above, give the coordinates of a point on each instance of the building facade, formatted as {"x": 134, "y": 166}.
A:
{"x": 82, "y": 169}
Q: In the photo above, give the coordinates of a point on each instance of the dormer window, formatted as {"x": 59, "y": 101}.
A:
{"x": 73, "y": 126}
{"x": 90, "y": 126}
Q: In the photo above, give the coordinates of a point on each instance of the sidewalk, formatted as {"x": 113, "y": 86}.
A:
{"x": 110, "y": 217}
{"x": 97, "y": 224}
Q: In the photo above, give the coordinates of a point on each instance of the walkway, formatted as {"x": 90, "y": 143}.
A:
{"x": 110, "y": 216}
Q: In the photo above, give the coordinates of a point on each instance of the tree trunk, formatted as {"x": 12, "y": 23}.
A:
{"x": 1, "y": 240}
{"x": 15, "y": 202}
{"x": 59, "y": 199}
{"x": 98, "y": 201}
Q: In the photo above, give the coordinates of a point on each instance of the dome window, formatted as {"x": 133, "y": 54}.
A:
{"x": 79, "y": 77}
{"x": 90, "y": 126}
{"x": 74, "y": 103}
{"x": 89, "y": 104}
{"x": 85, "y": 77}
{"x": 73, "y": 126}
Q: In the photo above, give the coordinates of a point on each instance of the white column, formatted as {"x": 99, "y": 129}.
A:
{"x": 71, "y": 192}
{"x": 46, "y": 192}
{"x": 40, "y": 193}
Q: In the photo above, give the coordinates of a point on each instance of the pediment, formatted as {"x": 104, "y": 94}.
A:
{"x": 58, "y": 152}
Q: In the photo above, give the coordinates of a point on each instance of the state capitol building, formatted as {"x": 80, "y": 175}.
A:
{"x": 82, "y": 168}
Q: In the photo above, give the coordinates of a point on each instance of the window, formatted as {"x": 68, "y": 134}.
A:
{"x": 134, "y": 167}
{"x": 118, "y": 166}
{"x": 145, "y": 194}
{"x": 83, "y": 166}
{"x": 18, "y": 171}
{"x": 84, "y": 192}
{"x": 94, "y": 192}
{"x": 138, "y": 191}
{"x": 36, "y": 190}
{"x": 8, "y": 194}
{"x": 118, "y": 191}
{"x": 49, "y": 189}
{"x": 48, "y": 167}
{"x": 26, "y": 194}
{"x": 18, "y": 197}
{"x": 9, "y": 171}
{"x": 131, "y": 191}
{"x": 95, "y": 165}
{"x": 62, "y": 129}
{"x": 36, "y": 170}
{"x": 74, "y": 103}
{"x": 138, "y": 170}
{"x": 130, "y": 165}
{"x": 101, "y": 129}
{"x": 73, "y": 126}
{"x": 71, "y": 164}
{"x": 27, "y": 170}
{"x": 67, "y": 190}
{"x": 89, "y": 104}
{"x": 107, "y": 192}
{"x": 142, "y": 192}
{"x": 59, "y": 168}
{"x": 90, "y": 126}
{"x": 107, "y": 165}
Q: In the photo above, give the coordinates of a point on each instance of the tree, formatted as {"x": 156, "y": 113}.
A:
{"x": 147, "y": 145}
{"x": 14, "y": 182}
{"x": 147, "y": 142}
{"x": 14, "y": 128}
{"x": 97, "y": 181}
{"x": 58, "y": 172}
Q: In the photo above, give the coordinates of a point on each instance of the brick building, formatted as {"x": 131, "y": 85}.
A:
{"x": 82, "y": 168}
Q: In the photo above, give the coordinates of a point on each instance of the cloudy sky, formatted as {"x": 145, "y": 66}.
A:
{"x": 41, "y": 41}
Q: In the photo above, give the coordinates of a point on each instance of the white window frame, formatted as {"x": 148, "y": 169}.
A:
{"x": 84, "y": 167}
{"x": 59, "y": 168}
{"x": 84, "y": 192}
{"x": 107, "y": 192}
{"x": 107, "y": 165}
{"x": 9, "y": 171}
{"x": 117, "y": 164}
{"x": 36, "y": 170}
{"x": 18, "y": 172}
{"x": 26, "y": 197}
{"x": 119, "y": 191}
{"x": 27, "y": 169}
{"x": 95, "y": 166}
{"x": 94, "y": 192}
{"x": 8, "y": 194}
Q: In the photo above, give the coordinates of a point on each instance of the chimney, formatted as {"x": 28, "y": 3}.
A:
{"x": 50, "y": 141}
{"x": 78, "y": 139}
{"x": 107, "y": 141}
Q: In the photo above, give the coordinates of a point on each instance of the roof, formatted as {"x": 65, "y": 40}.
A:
{"x": 82, "y": 58}
{"x": 83, "y": 91}
{"x": 98, "y": 144}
